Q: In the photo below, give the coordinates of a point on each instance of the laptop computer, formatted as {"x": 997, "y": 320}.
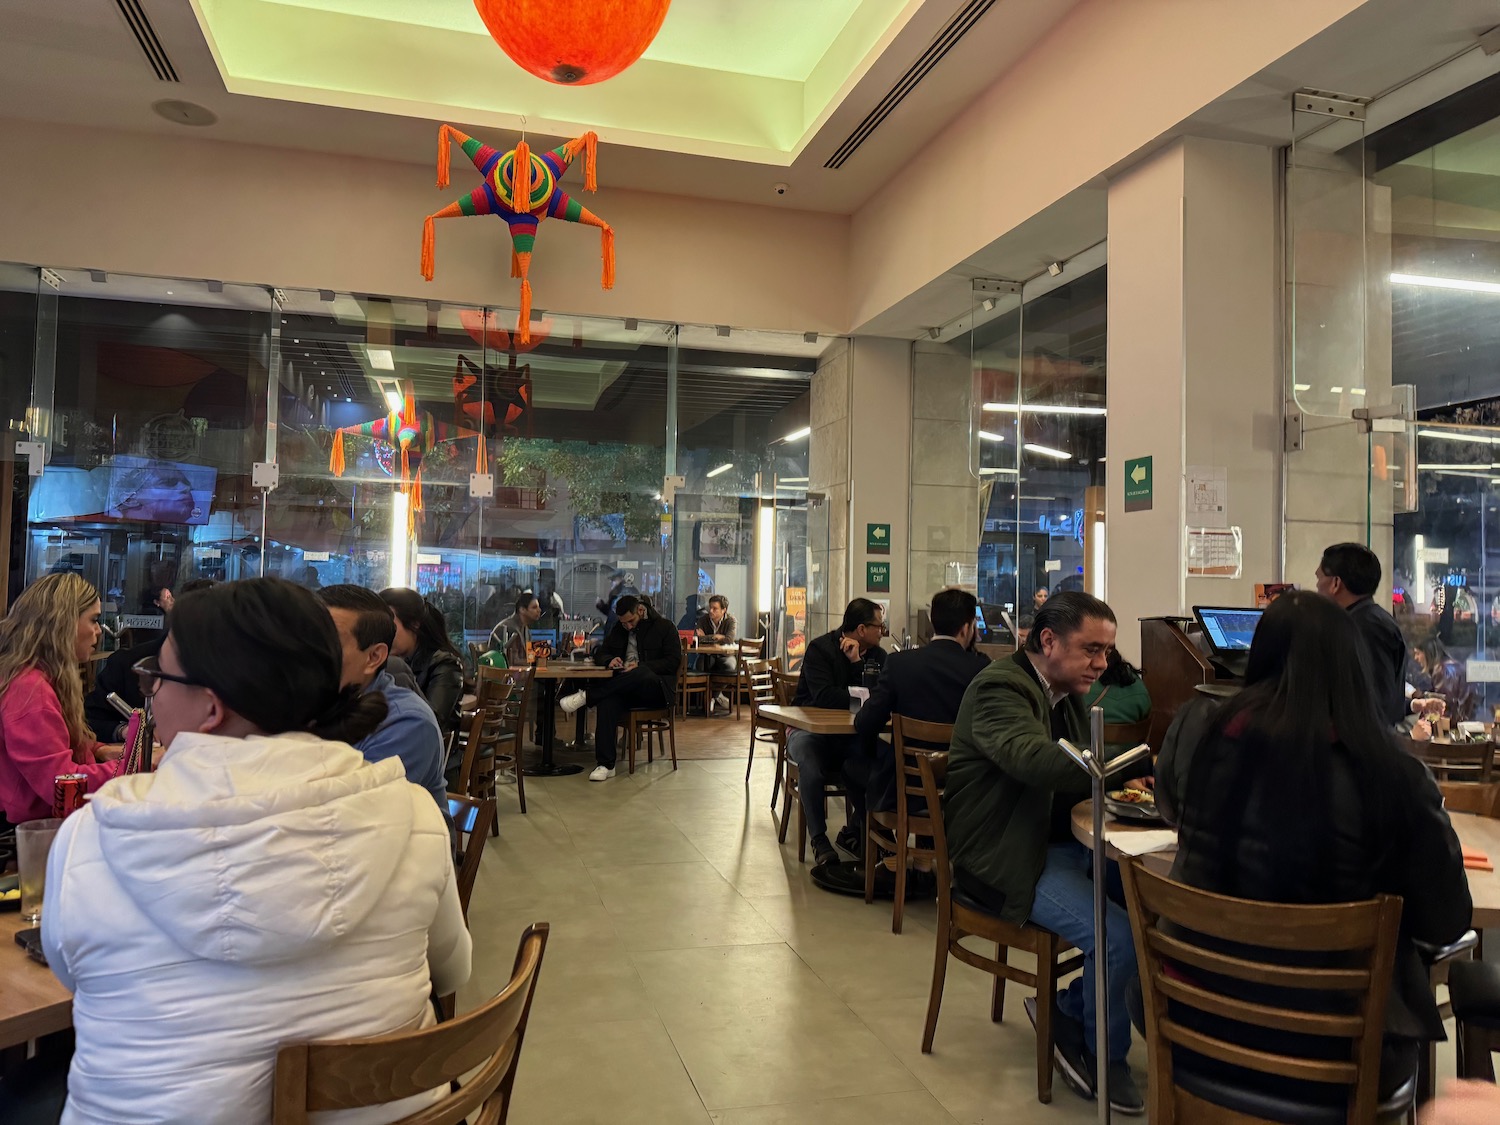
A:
{"x": 1229, "y": 630}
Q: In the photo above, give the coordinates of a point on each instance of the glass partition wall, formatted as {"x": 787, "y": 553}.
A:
{"x": 414, "y": 443}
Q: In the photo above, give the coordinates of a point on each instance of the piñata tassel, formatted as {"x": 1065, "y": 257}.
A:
{"x": 607, "y": 249}
{"x": 481, "y": 462}
{"x": 515, "y": 263}
{"x": 525, "y": 320}
{"x": 411, "y": 522}
{"x": 416, "y": 491}
{"x": 444, "y": 138}
{"x": 590, "y": 162}
{"x": 336, "y": 460}
{"x": 405, "y": 469}
{"x": 429, "y": 248}
{"x": 520, "y": 179}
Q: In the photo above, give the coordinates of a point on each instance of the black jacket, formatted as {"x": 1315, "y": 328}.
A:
{"x": 725, "y": 632}
{"x": 926, "y": 683}
{"x": 657, "y": 644}
{"x": 1426, "y": 868}
{"x": 827, "y": 674}
{"x": 115, "y": 676}
{"x": 440, "y": 678}
{"x": 1385, "y": 658}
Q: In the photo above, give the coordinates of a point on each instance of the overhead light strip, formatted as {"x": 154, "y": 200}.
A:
{"x": 1043, "y": 408}
{"x": 1445, "y": 283}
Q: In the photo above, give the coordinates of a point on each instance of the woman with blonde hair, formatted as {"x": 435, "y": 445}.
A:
{"x": 51, "y": 629}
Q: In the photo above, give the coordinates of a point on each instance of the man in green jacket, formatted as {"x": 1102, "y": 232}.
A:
{"x": 1007, "y": 808}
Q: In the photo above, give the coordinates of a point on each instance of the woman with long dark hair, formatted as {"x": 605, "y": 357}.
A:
{"x": 265, "y": 885}
{"x": 1298, "y": 792}
{"x": 422, "y": 641}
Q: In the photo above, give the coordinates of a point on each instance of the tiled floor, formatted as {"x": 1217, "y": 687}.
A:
{"x": 695, "y": 975}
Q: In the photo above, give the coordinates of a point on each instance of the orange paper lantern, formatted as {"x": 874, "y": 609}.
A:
{"x": 573, "y": 42}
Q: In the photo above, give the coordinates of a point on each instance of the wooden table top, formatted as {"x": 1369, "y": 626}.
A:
{"x": 711, "y": 650}
{"x": 33, "y": 1002}
{"x": 817, "y": 720}
{"x": 568, "y": 670}
{"x": 1480, "y": 832}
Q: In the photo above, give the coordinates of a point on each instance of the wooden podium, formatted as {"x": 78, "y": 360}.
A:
{"x": 1173, "y": 666}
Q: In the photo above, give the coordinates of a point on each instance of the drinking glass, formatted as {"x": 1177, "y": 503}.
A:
{"x": 33, "y": 842}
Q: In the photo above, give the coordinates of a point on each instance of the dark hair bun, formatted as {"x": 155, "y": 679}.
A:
{"x": 352, "y": 717}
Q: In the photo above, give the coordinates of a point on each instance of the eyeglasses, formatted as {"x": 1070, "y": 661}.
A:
{"x": 149, "y": 672}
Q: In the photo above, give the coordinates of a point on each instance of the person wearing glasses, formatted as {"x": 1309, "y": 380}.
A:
{"x": 265, "y": 885}
{"x": 51, "y": 629}
{"x": 848, "y": 657}
{"x": 1008, "y": 806}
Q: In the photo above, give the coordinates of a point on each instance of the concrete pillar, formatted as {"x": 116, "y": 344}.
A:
{"x": 1194, "y": 369}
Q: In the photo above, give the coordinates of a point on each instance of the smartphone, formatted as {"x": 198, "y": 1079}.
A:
{"x": 31, "y": 941}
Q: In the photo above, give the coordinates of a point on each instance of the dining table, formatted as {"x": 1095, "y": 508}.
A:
{"x": 814, "y": 720}
{"x": 547, "y": 677}
{"x": 33, "y": 1002}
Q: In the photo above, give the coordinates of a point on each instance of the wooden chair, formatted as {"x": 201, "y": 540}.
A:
{"x": 737, "y": 682}
{"x": 900, "y": 825}
{"x": 690, "y": 684}
{"x": 496, "y": 733}
{"x": 960, "y": 917}
{"x": 1455, "y": 761}
{"x": 786, "y": 691}
{"x": 1471, "y": 797}
{"x": 649, "y": 724}
{"x": 1180, "y": 972}
{"x": 473, "y": 818}
{"x": 1127, "y": 734}
{"x": 760, "y": 687}
{"x": 336, "y": 1074}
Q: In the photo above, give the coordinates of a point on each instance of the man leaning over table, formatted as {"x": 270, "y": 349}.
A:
{"x": 1008, "y": 808}
{"x": 834, "y": 663}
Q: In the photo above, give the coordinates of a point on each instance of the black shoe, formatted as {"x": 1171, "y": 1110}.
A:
{"x": 850, "y": 840}
{"x": 823, "y": 851}
{"x": 1124, "y": 1095}
{"x": 1075, "y": 1062}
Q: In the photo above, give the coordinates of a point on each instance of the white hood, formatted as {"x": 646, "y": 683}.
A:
{"x": 256, "y": 850}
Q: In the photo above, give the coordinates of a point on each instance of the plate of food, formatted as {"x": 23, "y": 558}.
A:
{"x": 10, "y": 892}
{"x": 1132, "y": 803}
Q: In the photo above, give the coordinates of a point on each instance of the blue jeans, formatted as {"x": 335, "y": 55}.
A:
{"x": 1065, "y": 905}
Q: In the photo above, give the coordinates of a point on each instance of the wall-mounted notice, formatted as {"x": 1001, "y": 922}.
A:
{"x": 1051, "y": 565}
{"x": 1214, "y": 552}
{"x": 1138, "y": 484}
{"x": 1207, "y": 496}
{"x": 878, "y": 577}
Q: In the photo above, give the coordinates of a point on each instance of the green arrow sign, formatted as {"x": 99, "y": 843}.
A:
{"x": 1138, "y": 484}
{"x": 877, "y": 538}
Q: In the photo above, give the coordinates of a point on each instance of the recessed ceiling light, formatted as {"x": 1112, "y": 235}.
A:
{"x": 724, "y": 468}
{"x": 1034, "y": 408}
{"x": 798, "y": 435}
{"x": 382, "y": 360}
{"x": 987, "y": 436}
{"x": 183, "y": 113}
{"x": 393, "y": 400}
{"x": 1047, "y": 451}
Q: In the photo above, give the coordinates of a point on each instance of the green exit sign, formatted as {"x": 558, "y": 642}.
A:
{"x": 877, "y": 538}
{"x": 1138, "y": 484}
{"x": 878, "y": 577}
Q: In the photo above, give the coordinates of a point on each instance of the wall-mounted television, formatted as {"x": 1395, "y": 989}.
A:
{"x": 152, "y": 491}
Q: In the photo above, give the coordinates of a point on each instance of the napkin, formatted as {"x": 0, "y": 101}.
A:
{"x": 1140, "y": 843}
{"x": 1476, "y": 860}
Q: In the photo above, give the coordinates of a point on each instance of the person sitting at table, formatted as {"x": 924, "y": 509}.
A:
{"x": 1007, "y": 808}
{"x": 1349, "y": 575}
{"x": 410, "y": 730}
{"x": 834, "y": 663}
{"x": 717, "y": 627}
{"x": 266, "y": 885}
{"x": 512, "y": 635}
{"x": 116, "y": 677}
{"x": 1296, "y": 791}
{"x": 1120, "y": 691}
{"x": 51, "y": 629}
{"x": 422, "y": 641}
{"x": 646, "y": 653}
{"x": 927, "y": 684}
{"x": 1446, "y": 679}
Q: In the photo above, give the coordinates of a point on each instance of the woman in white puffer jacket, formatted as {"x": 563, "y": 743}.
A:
{"x": 266, "y": 885}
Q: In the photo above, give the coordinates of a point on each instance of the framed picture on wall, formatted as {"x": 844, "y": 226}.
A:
{"x": 718, "y": 541}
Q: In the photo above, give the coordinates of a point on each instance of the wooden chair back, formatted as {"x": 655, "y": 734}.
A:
{"x": 473, "y": 817}
{"x": 912, "y": 739}
{"x": 786, "y": 686}
{"x": 1127, "y": 734}
{"x": 751, "y": 648}
{"x": 1471, "y": 797}
{"x": 759, "y": 685}
{"x": 1456, "y": 761}
{"x": 340, "y": 1074}
{"x": 933, "y": 770}
{"x": 1356, "y": 941}
{"x": 487, "y": 726}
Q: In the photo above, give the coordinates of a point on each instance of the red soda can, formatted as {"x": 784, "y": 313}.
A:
{"x": 67, "y": 793}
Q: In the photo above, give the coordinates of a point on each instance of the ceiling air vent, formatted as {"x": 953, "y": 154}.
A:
{"x": 145, "y": 35}
{"x": 945, "y": 40}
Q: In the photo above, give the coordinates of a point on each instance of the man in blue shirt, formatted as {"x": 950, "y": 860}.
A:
{"x": 410, "y": 731}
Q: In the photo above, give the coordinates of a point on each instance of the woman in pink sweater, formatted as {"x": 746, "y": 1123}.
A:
{"x": 52, "y": 628}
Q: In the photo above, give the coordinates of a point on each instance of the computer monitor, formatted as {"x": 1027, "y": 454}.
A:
{"x": 984, "y": 629}
{"x": 1228, "y": 628}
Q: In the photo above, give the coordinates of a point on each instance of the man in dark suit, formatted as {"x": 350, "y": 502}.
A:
{"x": 834, "y": 663}
{"x": 1349, "y": 574}
{"x": 926, "y": 683}
{"x": 646, "y": 653}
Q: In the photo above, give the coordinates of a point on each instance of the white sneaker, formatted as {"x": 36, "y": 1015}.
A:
{"x": 601, "y": 773}
{"x": 721, "y": 700}
{"x": 571, "y": 703}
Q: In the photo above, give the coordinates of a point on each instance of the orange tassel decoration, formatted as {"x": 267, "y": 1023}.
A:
{"x": 520, "y": 180}
{"x": 515, "y": 263}
{"x": 524, "y": 323}
{"x": 336, "y": 460}
{"x": 445, "y": 134}
{"x": 590, "y": 162}
{"x": 429, "y": 248}
{"x": 607, "y": 250}
{"x": 481, "y": 463}
{"x": 416, "y": 491}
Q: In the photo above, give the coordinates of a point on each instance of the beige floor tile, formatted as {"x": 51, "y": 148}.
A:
{"x": 653, "y": 841}
{"x": 582, "y": 982}
{"x": 755, "y": 1026}
{"x": 887, "y": 966}
{"x": 659, "y": 886}
{"x": 727, "y": 920}
{"x": 625, "y": 1073}
{"x": 911, "y": 1107}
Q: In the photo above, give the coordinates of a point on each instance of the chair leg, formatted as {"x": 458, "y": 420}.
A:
{"x": 997, "y": 990}
{"x": 801, "y": 831}
{"x": 1046, "y": 1000}
{"x": 872, "y": 856}
{"x": 780, "y": 768}
{"x": 935, "y": 996}
{"x": 630, "y": 743}
{"x": 520, "y": 790}
{"x": 898, "y": 908}
{"x": 750, "y": 761}
{"x": 672, "y": 742}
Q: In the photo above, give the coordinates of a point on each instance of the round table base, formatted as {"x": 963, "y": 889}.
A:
{"x": 556, "y": 769}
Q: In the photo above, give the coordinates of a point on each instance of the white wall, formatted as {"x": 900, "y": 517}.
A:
{"x": 184, "y": 207}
